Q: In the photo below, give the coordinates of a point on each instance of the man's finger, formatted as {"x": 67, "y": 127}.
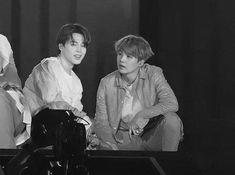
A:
{"x": 130, "y": 132}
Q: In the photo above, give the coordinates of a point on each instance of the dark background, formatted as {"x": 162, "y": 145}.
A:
{"x": 194, "y": 42}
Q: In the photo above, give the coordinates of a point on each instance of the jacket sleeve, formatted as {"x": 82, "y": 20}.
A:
{"x": 40, "y": 88}
{"x": 165, "y": 98}
{"x": 102, "y": 126}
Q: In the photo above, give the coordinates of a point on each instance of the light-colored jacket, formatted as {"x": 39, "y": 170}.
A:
{"x": 152, "y": 89}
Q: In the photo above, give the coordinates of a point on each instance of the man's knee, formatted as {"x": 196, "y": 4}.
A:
{"x": 172, "y": 121}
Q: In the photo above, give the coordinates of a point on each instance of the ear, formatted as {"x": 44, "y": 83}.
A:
{"x": 141, "y": 63}
{"x": 60, "y": 46}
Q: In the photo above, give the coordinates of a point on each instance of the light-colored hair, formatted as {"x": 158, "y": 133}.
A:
{"x": 135, "y": 46}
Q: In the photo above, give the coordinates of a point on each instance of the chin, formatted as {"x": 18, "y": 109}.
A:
{"x": 122, "y": 71}
{"x": 77, "y": 62}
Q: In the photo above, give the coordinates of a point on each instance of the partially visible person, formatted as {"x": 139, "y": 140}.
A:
{"x": 15, "y": 117}
{"x": 53, "y": 82}
{"x": 136, "y": 107}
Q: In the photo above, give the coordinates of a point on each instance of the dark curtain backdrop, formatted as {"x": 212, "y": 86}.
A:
{"x": 195, "y": 41}
{"x": 195, "y": 45}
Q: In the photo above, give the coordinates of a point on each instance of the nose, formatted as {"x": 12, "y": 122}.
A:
{"x": 79, "y": 48}
{"x": 122, "y": 58}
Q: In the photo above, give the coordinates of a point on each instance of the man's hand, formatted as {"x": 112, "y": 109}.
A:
{"x": 78, "y": 113}
{"x": 133, "y": 127}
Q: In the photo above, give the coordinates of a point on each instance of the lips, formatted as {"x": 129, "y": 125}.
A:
{"x": 121, "y": 66}
{"x": 78, "y": 56}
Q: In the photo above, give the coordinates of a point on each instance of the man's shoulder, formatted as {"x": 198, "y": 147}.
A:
{"x": 46, "y": 63}
{"x": 151, "y": 69}
{"x": 49, "y": 61}
{"x": 111, "y": 76}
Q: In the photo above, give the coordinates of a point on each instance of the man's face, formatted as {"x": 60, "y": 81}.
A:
{"x": 74, "y": 49}
{"x": 127, "y": 64}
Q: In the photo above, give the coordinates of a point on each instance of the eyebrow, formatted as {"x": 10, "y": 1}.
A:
{"x": 73, "y": 41}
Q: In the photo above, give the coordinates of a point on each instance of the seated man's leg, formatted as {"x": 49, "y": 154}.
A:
{"x": 10, "y": 119}
{"x": 165, "y": 136}
{"x": 130, "y": 142}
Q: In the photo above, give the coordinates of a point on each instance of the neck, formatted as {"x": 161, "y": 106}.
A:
{"x": 130, "y": 77}
{"x": 65, "y": 64}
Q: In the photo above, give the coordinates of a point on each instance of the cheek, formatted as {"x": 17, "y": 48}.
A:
{"x": 134, "y": 66}
{"x": 118, "y": 59}
{"x": 84, "y": 51}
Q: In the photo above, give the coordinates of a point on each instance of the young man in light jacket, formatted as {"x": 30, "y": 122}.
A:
{"x": 136, "y": 107}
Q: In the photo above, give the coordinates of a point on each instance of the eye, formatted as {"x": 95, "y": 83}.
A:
{"x": 129, "y": 57}
{"x": 72, "y": 43}
{"x": 119, "y": 53}
{"x": 83, "y": 45}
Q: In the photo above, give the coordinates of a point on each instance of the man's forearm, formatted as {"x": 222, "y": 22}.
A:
{"x": 157, "y": 110}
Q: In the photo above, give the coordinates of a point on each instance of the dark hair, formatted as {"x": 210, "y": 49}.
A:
{"x": 135, "y": 46}
{"x": 66, "y": 32}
